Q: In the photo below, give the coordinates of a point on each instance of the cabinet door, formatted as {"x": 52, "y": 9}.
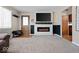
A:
{"x": 56, "y": 29}
{"x": 32, "y": 29}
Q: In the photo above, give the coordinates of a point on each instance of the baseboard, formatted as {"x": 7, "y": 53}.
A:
{"x": 75, "y": 43}
{"x": 58, "y": 35}
{"x": 72, "y": 42}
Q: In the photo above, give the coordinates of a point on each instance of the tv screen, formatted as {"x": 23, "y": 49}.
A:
{"x": 43, "y": 16}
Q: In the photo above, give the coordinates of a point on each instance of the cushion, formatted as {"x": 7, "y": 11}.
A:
{"x": 2, "y": 42}
{"x": 2, "y": 35}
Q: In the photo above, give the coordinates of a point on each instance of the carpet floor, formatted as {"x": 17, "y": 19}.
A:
{"x": 42, "y": 44}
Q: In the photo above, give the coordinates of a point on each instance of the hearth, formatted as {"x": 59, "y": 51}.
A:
{"x": 43, "y": 29}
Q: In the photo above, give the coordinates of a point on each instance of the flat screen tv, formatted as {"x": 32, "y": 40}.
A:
{"x": 43, "y": 16}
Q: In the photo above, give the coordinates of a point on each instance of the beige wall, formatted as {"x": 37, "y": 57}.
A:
{"x": 57, "y": 18}
{"x": 15, "y": 24}
{"x": 75, "y": 33}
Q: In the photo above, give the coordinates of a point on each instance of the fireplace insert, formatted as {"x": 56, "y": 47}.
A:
{"x": 43, "y": 29}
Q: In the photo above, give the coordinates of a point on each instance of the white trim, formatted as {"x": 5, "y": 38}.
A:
{"x": 72, "y": 42}
{"x": 75, "y": 43}
{"x": 58, "y": 35}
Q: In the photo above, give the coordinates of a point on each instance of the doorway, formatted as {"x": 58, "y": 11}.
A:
{"x": 25, "y": 25}
{"x": 67, "y": 27}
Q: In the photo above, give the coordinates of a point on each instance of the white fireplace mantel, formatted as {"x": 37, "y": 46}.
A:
{"x": 43, "y": 33}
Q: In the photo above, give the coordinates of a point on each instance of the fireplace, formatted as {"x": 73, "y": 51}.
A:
{"x": 43, "y": 29}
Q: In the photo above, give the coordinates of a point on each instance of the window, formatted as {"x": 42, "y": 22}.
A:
{"x": 25, "y": 20}
{"x": 5, "y": 18}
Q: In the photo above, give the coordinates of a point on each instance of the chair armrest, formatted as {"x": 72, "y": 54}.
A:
{"x": 7, "y": 37}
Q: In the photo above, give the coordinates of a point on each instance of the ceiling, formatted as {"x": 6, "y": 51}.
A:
{"x": 40, "y": 8}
